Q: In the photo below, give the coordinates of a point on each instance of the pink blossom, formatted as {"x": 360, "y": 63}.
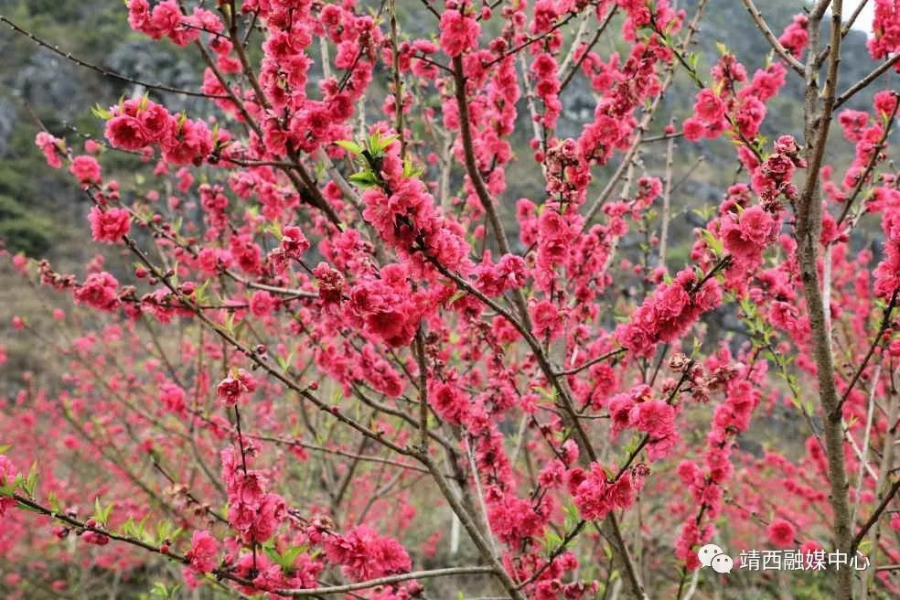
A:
{"x": 780, "y": 533}
{"x": 109, "y": 226}
{"x": 7, "y": 476}
{"x": 50, "y": 146}
{"x": 366, "y": 555}
{"x": 262, "y": 303}
{"x": 233, "y": 388}
{"x": 99, "y": 290}
{"x": 204, "y": 551}
{"x": 459, "y": 32}
{"x": 709, "y": 107}
{"x": 125, "y": 132}
{"x": 172, "y": 396}
{"x": 86, "y": 169}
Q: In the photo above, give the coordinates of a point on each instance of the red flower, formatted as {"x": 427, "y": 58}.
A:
{"x": 780, "y": 533}
{"x": 7, "y": 476}
{"x": 262, "y": 304}
{"x": 203, "y": 552}
{"x": 100, "y": 290}
{"x": 709, "y": 107}
{"x": 459, "y": 33}
{"x": 86, "y": 169}
{"x": 49, "y": 145}
{"x": 126, "y": 133}
{"x": 109, "y": 226}
{"x": 366, "y": 555}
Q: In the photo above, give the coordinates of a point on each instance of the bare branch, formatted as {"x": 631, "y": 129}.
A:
{"x": 770, "y": 37}
{"x": 372, "y": 583}
{"x": 865, "y": 81}
{"x": 103, "y": 71}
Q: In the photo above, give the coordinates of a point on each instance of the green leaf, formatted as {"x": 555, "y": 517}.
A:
{"x": 290, "y": 555}
{"x": 31, "y": 480}
{"x": 378, "y": 144}
{"x": 364, "y": 179}
{"x": 551, "y": 542}
{"x": 162, "y": 591}
{"x": 456, "y": 296}
{"x": 572, "y": 516}
{"x": 713, "y": 242}
{"x": 201, "y": 294}
{"x": 163, "y": 531}
{"x": 410, "y": 170}
{"x": 101, "y": 514}
{"x": 351, "y": 147}
{"x": 101, "y": 113}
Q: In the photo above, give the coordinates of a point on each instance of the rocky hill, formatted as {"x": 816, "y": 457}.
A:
{"x": 39, "y": 88}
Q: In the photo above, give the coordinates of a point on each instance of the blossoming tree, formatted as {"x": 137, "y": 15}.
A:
{"x": 345, "y": 361}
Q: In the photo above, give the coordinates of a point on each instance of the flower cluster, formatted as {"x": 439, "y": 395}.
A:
{"x": 366, "y": 555}
{"x": 669, "y": 312}
{"x": 459, "y": 30}
{"x": 886, "y": 30}
{"x": 235, "y": 387}
{"x": 597, "y": 492}
{"x": 138, "y": 123}
{"x": 253, "y": 511}
{"x": 203, "y": 555}
{"x": 795, "y": 37}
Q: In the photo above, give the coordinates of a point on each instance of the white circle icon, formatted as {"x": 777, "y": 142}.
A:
{"x": 722, "y": 563}
{"x": 708, "y": 553}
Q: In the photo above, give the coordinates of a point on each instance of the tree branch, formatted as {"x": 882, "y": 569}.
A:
{"x": 761, "y": 24}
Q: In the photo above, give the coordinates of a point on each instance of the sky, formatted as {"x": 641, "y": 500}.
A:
{"x": 864, "y": 22}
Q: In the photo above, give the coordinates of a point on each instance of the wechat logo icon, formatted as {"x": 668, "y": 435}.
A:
{"x": 713, "y": 556}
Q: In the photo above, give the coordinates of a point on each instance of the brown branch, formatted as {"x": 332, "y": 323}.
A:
{"x": 876, "y": 150}
{"x": 256, "y": 359}
{"x": 849, "y": 24}
{"x": 879, "y": 510}
{"x": 419, "y": 344}
{"x": 885, "y": 323}
{"x": 103, "y": 71}
{"x": 563, "y": 546}
{"x": 592, "y": 362}
{"x": 532, "y": 40}
{"x": 398, "y": 82}
{"x": 666, "y": 215}
{"x": 587, "y": 49}
{"x": 865, "y": 81}
{"x": 382, "y": 581}
{"x": 477, "y": 182}
{"x": 770, "y": 37}
{"x": 809, "y": 222}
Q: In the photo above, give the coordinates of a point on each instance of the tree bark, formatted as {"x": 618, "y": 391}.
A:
{"x": 809, "y": 224}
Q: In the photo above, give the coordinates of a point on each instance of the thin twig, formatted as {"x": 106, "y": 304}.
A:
{"x": 770, "y": 37}
{"x": 103, "y": 71}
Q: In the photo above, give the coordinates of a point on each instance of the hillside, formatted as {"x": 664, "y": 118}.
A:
{"x": 39, "y": 87}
